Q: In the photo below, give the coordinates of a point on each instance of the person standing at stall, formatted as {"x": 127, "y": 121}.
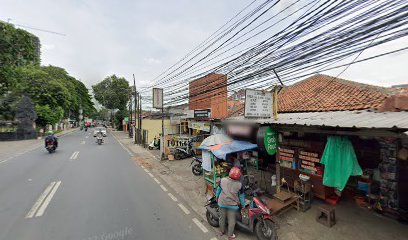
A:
{"x": 230, "y": 195}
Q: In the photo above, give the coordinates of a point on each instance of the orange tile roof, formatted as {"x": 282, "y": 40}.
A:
{"x": 322, "y": 93}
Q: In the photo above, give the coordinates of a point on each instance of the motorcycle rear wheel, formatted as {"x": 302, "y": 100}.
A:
{"x": 265, "y": 230}
{"x": 212, "y": 220}
{"x": 196, "y": 169}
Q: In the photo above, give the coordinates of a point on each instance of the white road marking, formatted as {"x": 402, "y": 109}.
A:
{"x": 142, "y": 166}
{"x": 185, "y": 210}
{"x": 172, "y": 197}
{"x": 82, "y": 142}
{"x": 156, "y": 180}
{"x": 163, "y": 187}
{"x": 87, "y": 137}
{"x": 5, "y": 160}
{"x": 74, "y": 155}
{"x": 146, "y": 170}
{"x": 151, "y": 175}
{"x": 47, "y": 201}
{"x": 200, "y": 225}
{"x": 37, "y": 204}
{"x": 214, "y": 238}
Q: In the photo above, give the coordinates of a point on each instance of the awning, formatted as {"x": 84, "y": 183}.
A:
{"x": 222, "y": 150}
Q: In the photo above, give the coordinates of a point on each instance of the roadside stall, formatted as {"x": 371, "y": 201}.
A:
{"x": 220, "y": 153}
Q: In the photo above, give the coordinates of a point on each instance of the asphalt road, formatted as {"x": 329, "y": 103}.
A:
{"x": 84, "y": 191}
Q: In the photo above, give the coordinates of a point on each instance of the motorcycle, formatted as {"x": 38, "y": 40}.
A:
{"x": 155, "y": 144}
{"x": 255, "y": 218}
{"x": 184, "y": 152}
{"x": 197, "y": 169}
{"x": 50, "y": 146}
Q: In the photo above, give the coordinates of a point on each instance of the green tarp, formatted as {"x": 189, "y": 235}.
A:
{"x": 340, "y": 162}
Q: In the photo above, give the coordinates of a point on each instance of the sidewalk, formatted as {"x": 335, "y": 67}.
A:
{"x": 177, "y": 175}
{"x": 8, "y": 149}
{"x": 353, "y": 223}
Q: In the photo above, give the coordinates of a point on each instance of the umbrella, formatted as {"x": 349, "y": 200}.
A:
{"x": 215, "y": 140}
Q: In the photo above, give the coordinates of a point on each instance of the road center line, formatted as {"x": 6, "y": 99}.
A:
{"x": 48, "y": 200}
{"x": 156, "y": 180}
{"x": 200, "y": 225}
{"x": 185, "y": 210}
{"x": 151, "y": 175}
{"x": 163, "y": 187}
{"x": 172, "y": 197}
{"x": 37, "y": 204}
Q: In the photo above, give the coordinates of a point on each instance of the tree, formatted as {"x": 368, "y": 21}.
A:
{"x": 112, "y": 92}
{"x": 119, "y": 116}
{"x": 48, "y": 115}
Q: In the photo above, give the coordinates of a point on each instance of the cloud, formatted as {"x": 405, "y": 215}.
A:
{"x": 152, "y": 60}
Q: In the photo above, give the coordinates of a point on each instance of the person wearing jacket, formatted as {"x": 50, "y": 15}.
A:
{"x": 51, "y": 137}
{"x": 229, "y": 196}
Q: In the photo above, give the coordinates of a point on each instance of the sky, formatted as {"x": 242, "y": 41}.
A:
{"x": 145, "y": 37}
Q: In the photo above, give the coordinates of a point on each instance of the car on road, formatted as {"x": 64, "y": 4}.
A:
{"x": 97, "y": 130}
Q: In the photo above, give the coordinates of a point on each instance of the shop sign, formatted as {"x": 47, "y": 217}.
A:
{"x": 206, "y": 127}
{"x": 202, "y": 113}
{"x": 172, "y": 142}
{"x": 258, "y": 103}
{"x": 267, "y": 140}
{"x": 158, "y": 98}
{"x": 239, "y": 130}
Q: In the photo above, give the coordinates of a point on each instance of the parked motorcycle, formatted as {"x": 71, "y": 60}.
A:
{"x": 255, "y": 218}
{"x": 185, "y": 152}
{"x": 50, "y": 146}
{"x": 155, "y": 144}
{"x": 197, "y": 168}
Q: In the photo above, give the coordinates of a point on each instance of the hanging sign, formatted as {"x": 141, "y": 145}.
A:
{"x": 158, "y": 98}
{"x": 267, "y": 140}
{"x": 202, "y": 113}
{"x": 258, "y": 103}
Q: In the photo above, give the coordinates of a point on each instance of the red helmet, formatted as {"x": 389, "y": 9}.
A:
{"x": 235, "y": 173}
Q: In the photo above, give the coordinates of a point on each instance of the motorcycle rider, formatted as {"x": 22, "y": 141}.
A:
{"x": 52, "y": 138}
{"x": 99, "y": 134}
{"x": 229, "y": 196}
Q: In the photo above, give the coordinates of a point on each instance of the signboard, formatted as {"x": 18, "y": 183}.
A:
{"x": 172, "y": 142}
{"x": 202, "y": 126}
{"x": 202, "y": 113}
{"x": 267, "y": 140}
{"x": 240, "y": 130}
{"x": 158, "y": 98}
{"x": 258, "y": 103}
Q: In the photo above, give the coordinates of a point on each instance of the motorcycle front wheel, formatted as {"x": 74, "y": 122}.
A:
{"x": 196, "y": 169}
{"x": 265, "y": 230}
{"x": 212, "y": 220}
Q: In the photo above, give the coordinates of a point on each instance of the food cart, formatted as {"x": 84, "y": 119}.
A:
{"x": 220, "y": 155}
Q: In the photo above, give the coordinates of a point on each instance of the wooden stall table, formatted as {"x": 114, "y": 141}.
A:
{"x": 282, "y": 202}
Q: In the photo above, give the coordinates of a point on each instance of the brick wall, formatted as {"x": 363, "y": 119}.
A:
{"x": 206, "y": 93}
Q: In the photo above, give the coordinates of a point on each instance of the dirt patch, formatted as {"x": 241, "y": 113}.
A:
{"x": 143, "y": 162}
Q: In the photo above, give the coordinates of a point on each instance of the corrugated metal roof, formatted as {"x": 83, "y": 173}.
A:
{"x": 346, "y": 119}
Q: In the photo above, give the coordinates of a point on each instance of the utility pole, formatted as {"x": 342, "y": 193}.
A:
{"x": 130, "y": 111}
{"x": 135, "y": 94}
{"x": 140, "y": 119}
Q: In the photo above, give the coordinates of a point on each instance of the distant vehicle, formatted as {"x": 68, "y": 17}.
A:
{"x": 97, "y": 130}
